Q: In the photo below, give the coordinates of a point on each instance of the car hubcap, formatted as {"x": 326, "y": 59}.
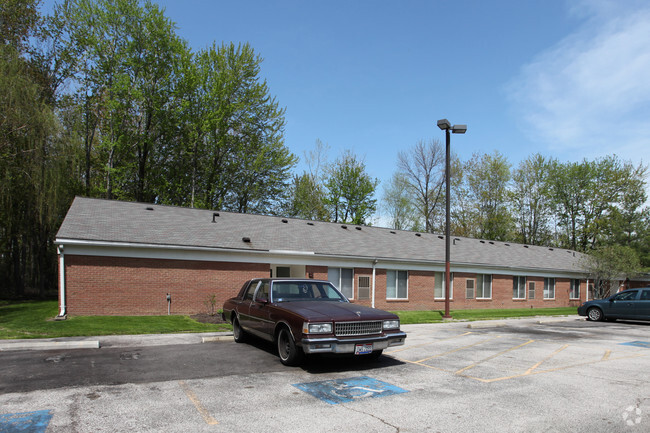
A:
{"x": 594, "y": 315}
{"x": 283, "y": 346}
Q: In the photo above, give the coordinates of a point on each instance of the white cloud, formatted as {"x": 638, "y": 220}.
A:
{"x": 590, "y": 94}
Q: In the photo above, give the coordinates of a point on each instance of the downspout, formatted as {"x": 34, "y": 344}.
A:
{"x": 374, "y": 265}
{"x": 62, "y": 308}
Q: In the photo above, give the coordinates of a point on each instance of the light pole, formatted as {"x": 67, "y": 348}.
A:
{"x": 456, "y": 129}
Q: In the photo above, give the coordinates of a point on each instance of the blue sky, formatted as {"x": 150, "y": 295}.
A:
{"x": 568, "y": 79}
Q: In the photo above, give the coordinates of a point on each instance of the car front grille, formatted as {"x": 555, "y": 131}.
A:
{"x": 349, "y": 329}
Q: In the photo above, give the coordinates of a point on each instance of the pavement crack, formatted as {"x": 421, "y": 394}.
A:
{"x": 397, "y": 429}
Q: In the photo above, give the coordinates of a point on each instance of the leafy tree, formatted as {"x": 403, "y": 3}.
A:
{"x": 398, "y": 203}
{"x": 608, "y": 264}
{"x": 531, "y": 202}
{"x": 235, "y": 152}
{"x": 585, "y": 194}
{"x": 422, "y": 169}
{"x": 487, "y": 185}
{"x": 350, "y": 190}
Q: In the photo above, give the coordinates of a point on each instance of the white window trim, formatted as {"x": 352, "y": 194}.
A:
{"x": 571, "y": 296}
{"x": 519, "y": 298}
{"x": 482, "y": 286}
{"x": 451, "y": 293}
{"x": 339, "y": 285}
{"x": 545, "y": 290}
{"x": 397, "y": 271}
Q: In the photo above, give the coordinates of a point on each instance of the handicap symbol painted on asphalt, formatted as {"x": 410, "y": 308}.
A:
{"x": 30, "y": 422}
{"x": 347, "y": 390}
{"x": 637, "y": 344}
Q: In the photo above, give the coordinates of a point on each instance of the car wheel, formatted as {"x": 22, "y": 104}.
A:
{"x": 595, "y": 314}
{"x": 290, "y": 354}
{"x": 238, "y": 333}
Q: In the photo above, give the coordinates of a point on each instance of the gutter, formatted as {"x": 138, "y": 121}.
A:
{"x": 62, "y": 306}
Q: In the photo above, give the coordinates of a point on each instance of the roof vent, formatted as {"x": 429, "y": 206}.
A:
{"x": 344, "y": 227}
{"x": 358, "y": 228}
{"x": 550, "y": 249}
{"x": 284, "y": 220}
{"x": 441, "y": 237}
{"x": 482, "y": 242}
{"x": 310, "y": 224}
{"x": 507, "y": 245}
{"x": 214, "y": 217}
{"x": 491, "y": 243}
{"x": 246, "y": 239}
{"x": 393, "y": 232}
{"x": 418, "y": 234}
{"x": 525, "y": 246}
{"x": 149, "y": 208}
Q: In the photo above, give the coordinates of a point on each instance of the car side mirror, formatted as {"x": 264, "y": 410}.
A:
{"x": 262, "y": 300}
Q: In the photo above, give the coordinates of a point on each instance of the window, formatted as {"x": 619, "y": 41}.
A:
{"x": 531, "y": 290}
{"x": 575, "y": 289}
{"x": 626, "y": 295}
{"x": 518, "y": 287}
{"x": 396, "y": 284}
{"x": 364, "y": 287}
{"x": 343, "y": 279}
{"x": 484, "y": 286}
{"x": 645, "y": 295}
{"x": 439, "y": 285}
{"x": 549, "y": 288}
{"x": 469, "y": 289}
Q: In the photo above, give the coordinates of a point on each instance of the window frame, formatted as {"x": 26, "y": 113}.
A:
{"x": 442, "y": 285}
{"x": 548, "y": 287}
{"x": 518, "y": 287}
{"x": 396, "y": 282}
{"x": 574, "y": 289}
{"x": 338, "y": 284}
{"x": 482, "y": 286}
{"x": 532, "y": 289}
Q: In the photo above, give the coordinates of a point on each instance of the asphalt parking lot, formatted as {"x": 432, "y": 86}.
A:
{"x": 533, "y": 375}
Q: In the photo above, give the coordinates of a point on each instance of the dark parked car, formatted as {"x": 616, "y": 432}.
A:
{"x": 632, "y": 304}
{"x": 305, "y": 316}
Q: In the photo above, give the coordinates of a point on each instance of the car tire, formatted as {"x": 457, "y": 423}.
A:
{"x": 238, "y": 333}
{"x": 595, "y": 314}
{"x": 289, "y": 353}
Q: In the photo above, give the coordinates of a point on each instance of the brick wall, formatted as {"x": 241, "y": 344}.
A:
{"x": 130, "y": 286}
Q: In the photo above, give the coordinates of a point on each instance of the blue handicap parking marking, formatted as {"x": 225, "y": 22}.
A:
{"x": 347, "y": 390}
{"x": 645, "y": 344}
{"x": 31, "y": 422}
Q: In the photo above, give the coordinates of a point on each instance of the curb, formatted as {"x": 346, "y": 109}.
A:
{"x": 49, "y": 345}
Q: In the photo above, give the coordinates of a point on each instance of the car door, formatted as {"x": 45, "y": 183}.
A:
{"x": 259, "y": 312}
{"x": 243, "y": 309}
{"x": 623, "y": 305}
{"x": 643, "y": 304}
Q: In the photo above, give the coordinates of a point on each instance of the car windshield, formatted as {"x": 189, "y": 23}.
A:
{"x": 284, "y": 291}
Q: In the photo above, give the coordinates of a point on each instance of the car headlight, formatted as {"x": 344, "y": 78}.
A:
{"x": 391, "y": 324}
{"x": 317, "y": 328}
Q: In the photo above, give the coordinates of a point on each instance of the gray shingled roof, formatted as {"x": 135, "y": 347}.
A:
{"x": 98, "y": 220}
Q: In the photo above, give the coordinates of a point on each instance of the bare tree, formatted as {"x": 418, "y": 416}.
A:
{"x": 423, "y": 168}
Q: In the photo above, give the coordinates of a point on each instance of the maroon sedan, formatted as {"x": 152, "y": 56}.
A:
{"x": 304, "y": 316}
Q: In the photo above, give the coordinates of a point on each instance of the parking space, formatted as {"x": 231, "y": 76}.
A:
{"x": 515, "y": 376}
{"x": 496, "y": 353}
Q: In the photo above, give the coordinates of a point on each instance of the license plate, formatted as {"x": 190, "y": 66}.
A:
{"x": 363, "y": 349}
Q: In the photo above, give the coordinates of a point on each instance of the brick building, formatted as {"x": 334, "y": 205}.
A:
{"x": 124, "y": 258}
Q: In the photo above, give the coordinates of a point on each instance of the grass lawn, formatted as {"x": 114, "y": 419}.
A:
{"x": 34, "y": 319}
{"x": 435, "y": 316}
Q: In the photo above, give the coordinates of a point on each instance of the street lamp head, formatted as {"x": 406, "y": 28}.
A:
{"x": 444, "y": 124}
{"x": 459, "y": 129}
